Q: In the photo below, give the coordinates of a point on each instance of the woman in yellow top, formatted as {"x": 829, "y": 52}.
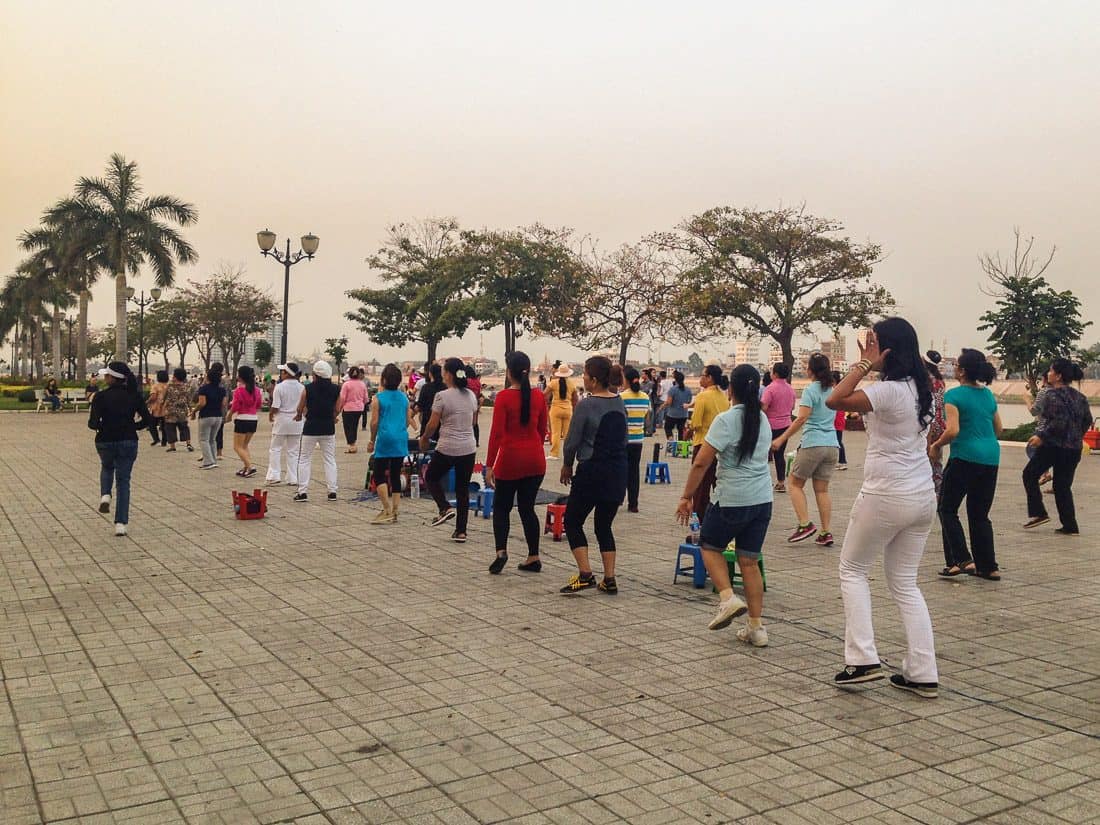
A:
{"x": 710, "y": 401}
{"x": 561, "y": 398}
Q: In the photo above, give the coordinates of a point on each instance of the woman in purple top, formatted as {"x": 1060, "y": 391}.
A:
{"x": 777, "y": 402}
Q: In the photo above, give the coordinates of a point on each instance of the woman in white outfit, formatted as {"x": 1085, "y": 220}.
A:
{"x": 286, "y": 433}
{"x": 893, "y": 512}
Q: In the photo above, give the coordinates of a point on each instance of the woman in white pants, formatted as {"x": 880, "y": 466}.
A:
{"x": 893, "y": 512}
{"x": 286, "y": 432}
{"x": 320, "y": 406}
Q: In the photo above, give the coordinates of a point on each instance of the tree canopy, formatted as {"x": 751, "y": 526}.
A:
{"x": 226, "y": 311}
{"x": 775, "y": 272}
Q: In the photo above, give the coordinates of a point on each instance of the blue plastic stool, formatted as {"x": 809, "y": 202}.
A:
{"x": 670, "y": 448}
{"x": 697, "y": 570}
{"x": 485, "y": 502}
{"x": 475, "y": 497}
{"x": 657, "y": 472}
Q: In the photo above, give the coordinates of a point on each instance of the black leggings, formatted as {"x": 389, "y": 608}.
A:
{"x": 633, "y": 473}
{"x": 523, "y": 491}
{"x": 577, "y": 510}
{"x": 220, "y": 440}
{"x": 388, "y": 471}
{"x": 351, "y": 426}
{"x": 1062, "y": 462}
{"x": 678, "y": 423}
{"x": 159, "y": 430}
{"x": 464, "y": 468}
{"x": 840, "y": 441}
{"x": 778, "y": 457}
{"x": 172, "y": 429}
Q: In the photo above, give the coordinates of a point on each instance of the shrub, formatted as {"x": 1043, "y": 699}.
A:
{"x": 1021, "y": 433}
{"x": 26, "y": 396}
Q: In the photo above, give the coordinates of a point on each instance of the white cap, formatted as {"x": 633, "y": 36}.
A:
{"x": 322, "y": 369}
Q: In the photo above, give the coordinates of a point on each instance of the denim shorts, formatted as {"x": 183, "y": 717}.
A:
{"x": 745, "y": 525}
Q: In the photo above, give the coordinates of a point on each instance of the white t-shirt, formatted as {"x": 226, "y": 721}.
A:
{"x": 896, "y": 463}
{"x": 664, "y": 387}
{"x": 285, "y": 399}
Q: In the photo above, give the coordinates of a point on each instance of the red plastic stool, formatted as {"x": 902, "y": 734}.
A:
{"x": 555, "y": 520}
{"x": 250, "y": 506}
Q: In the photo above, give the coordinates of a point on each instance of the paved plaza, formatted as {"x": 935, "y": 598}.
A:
{"x": 312, "y": 668}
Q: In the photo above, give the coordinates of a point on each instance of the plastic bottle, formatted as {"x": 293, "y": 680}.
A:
{"x": 414, "y": 486}
{"x": 694, "y": 527}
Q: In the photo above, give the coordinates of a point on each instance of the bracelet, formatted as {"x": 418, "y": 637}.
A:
{"x": 863, "y": 364}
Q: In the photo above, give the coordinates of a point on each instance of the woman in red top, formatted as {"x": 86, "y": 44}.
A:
{"x": 247, "y": 400}
{"x": 516, "y": 462}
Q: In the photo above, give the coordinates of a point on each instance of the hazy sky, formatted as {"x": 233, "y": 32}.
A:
{"x": 932, "y": 129}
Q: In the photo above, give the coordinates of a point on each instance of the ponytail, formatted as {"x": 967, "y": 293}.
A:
{"x": 745, "y": 383}
{"x": 975, "y": 366}
{"x": 1068, "y": 370}
{"x": 248, "y": 378}
{"x": 821, "y": 370}
{"x": 455, "y": 366}
{"x": 633, "y": 379}
{"x": 519, "y": 368}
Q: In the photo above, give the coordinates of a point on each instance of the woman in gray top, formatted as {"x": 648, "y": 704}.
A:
{"x": 454, "y": 413}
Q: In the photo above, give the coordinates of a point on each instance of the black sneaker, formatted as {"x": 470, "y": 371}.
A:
{"x": 331, "y": 496}
{"x": 442, "y": 517}
{"x": 929, "y": 690}
{"x": 855, "y": 674}
{"x": 608, "y": 586}
{"x": 577, "y": 584}
{"x": 458, "y": 538}
{"x": 301, "y": 497}
{"x": 1066, "y": 532}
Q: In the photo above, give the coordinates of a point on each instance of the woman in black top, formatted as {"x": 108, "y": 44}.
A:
{"x": 210, "y": 410}
{"x": 1063, "y": 419}
{"x": 53, "y": 395}
{"x": 112, "y": 416}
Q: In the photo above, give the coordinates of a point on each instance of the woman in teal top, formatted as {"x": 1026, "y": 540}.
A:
{"x": 971, "y": 428}
{"x": 390, "y": 419}
{"x": 817, "y": 455}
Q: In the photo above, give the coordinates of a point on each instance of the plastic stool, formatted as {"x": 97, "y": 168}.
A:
{"x": 697, "y": 569}
{"x": 485, "y": 502}
{"x": 474, "y": 493}
{"x": 657, "y": 472}
{"x": 555, "y": 520}
{"x": 670, "y": 448}
{"x": 683, "y": 449}
{"x": 735, "y": 575}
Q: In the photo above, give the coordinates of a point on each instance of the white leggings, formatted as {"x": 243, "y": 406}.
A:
{"x": 896, "y": 527}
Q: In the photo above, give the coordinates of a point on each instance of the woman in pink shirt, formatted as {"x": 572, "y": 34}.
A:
{"x": 353, "y": 398}
{"x": 245, "y": 407}
{"x": 777, "y": 402}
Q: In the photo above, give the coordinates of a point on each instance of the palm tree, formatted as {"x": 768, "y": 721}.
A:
{"x": 51, "y": 264}
{"x": 21, "y": 298}
{"x": 127, "y": 230}
{"x": 77, "y": 263}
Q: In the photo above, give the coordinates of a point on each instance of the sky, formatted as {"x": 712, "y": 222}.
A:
{"x": 932, "y": 129}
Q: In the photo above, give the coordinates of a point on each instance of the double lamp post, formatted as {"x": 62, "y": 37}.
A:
{"x": 266, "y": 240}
{"x": 142, "y": 302}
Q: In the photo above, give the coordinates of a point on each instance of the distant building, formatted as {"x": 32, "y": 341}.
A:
{"x": 836, "y": 350}
{"x": 746, "y": 352}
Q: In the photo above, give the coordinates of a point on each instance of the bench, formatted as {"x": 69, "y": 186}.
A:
{"x": 74, "y": 398}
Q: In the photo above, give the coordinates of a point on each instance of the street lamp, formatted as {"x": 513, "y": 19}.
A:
{"x": 266, "y": 241}
{"x": 154, "y": 296}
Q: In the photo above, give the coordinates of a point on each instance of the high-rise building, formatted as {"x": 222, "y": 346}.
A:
{"x": 746, "y": 352}
{"x": 836, "y": 350}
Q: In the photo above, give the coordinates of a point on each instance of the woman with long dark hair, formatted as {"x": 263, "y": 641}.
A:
{"x": 817, "y": 455}
{"x": 739, "y": 442}
{"x": 1063, "y": 419}
{"x": 454, "y": 413}
{"x": 112, "y": 415}
{"x": 893, "y": 512}
{"x": 971, "y": 427}
{"x": 675, "y": 407}
{"x": 637, "y": 404}
{"x": 515, "y": 464}
{"x": 597, "y": 440}
{"x": 245, "y": 406}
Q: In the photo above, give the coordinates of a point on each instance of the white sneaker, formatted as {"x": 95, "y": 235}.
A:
{"x": 208, "y": 467}
{"x": 756, "y": 636}
{"x": 272, "y": 482}
{"x": 727, "y": 612}
{"x": 120, "y": 529}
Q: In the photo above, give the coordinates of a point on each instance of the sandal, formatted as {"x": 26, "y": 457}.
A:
{"x": 952, "y": 571}
{"x": 780, "y": 487}
{"x": 992, "y": 575}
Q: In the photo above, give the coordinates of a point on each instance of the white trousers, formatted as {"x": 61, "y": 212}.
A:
{"x": 327, "y": 443}
{"x": 279, "y": 445}
{"x": 897, "y": 528}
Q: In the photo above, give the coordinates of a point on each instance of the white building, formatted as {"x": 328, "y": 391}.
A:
{"x": 746, "y": 352}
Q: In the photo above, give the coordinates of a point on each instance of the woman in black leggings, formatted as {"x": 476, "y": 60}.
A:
{"x": 516, "y": 464}
{"x": 597, "y": 439}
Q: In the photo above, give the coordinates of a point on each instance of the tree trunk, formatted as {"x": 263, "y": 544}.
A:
{"x": 55, "y": 342}
{"x": 183, "y": 355}
{"x": 433, "y": 345}
{"x": 783, "y": 338}
{"x": 37, "y": 343}
{"x": 624, "y": 345}
{"x": 82, "y": 339}
{"x": 121, "y": 344}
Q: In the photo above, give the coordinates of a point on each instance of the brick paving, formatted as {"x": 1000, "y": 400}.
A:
{"x": 312, "y": 668}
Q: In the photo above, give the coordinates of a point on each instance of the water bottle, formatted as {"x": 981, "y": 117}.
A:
{"x": 414, "y": 486}
{"x": 790, "y": 461}
{"x": 694, "y": 527}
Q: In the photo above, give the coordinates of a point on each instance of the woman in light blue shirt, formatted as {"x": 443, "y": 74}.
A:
{"x": 817, "y": 455}
{"x": 741, "y": 509}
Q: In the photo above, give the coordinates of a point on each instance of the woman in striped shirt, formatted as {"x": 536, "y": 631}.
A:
{"x": 637, "y": 407}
